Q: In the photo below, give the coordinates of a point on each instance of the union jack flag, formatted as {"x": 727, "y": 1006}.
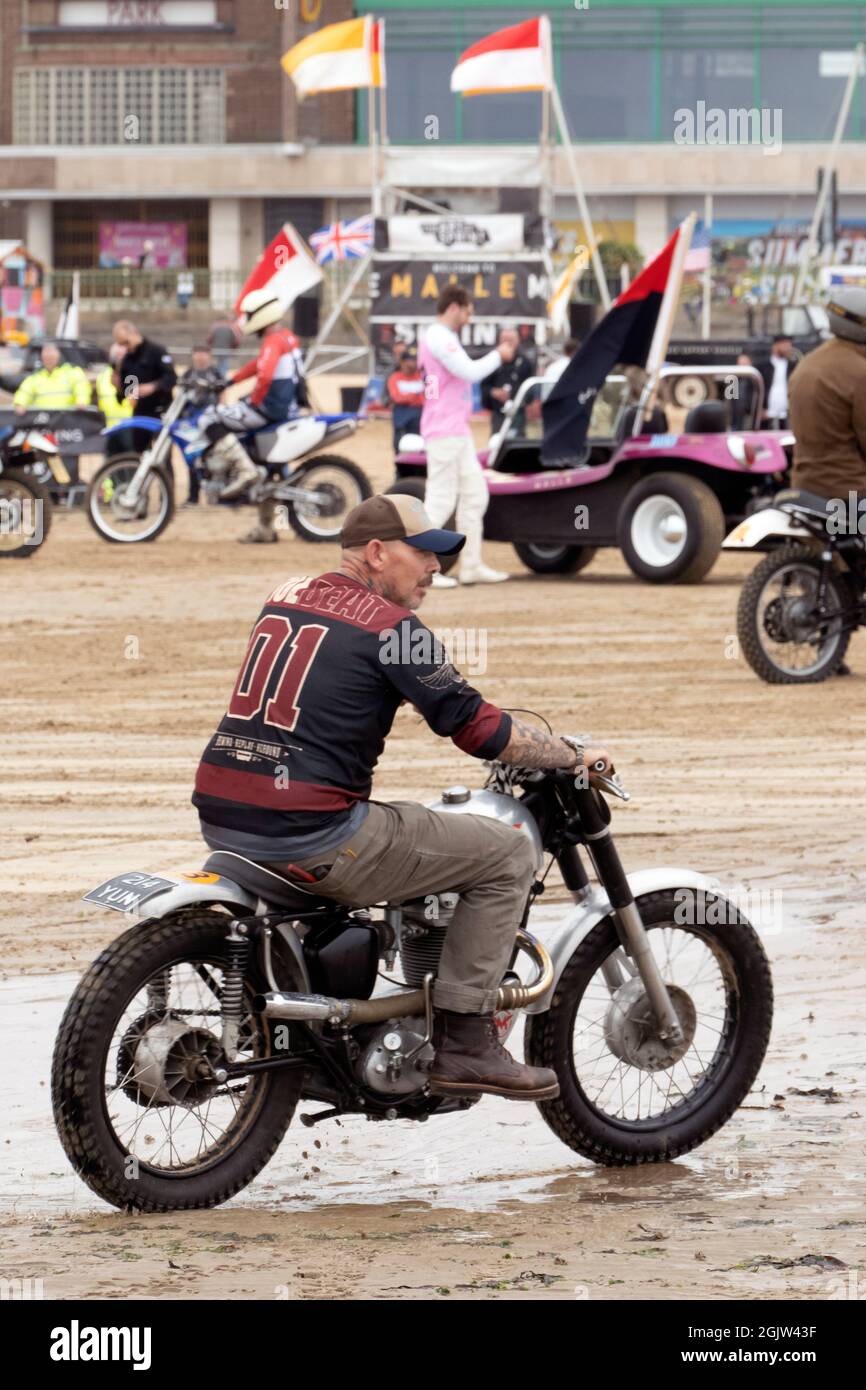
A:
{"x": 699, "y": 254}
{"x": 343, "y": 241}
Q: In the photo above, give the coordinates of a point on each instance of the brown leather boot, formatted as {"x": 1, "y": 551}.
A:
{"x": 470, "y": 1058}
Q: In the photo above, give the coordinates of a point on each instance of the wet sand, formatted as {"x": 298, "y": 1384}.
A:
{"x": 117, "y": 664}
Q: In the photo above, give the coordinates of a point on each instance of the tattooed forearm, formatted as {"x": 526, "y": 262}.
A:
{"x": 531, "y": 747}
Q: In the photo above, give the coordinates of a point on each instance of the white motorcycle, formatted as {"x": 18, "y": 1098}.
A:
{"x": 193, "y": 1037}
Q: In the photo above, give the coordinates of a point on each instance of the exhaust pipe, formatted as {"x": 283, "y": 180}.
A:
{"x": 323, "y": 1009}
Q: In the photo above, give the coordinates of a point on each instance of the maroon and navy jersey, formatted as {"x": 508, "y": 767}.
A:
{"x": 327, "y": 665}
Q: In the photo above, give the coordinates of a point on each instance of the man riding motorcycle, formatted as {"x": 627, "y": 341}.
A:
{"x": 278, "y": 392}
{"x": 286, "y": 778}
{"x": 828, "y": 404}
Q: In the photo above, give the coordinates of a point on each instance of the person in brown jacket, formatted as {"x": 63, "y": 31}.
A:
{"x": 828, "y": 404}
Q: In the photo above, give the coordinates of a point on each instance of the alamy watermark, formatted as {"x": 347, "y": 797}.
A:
{"x": 715, "y": 906}
{"x": 461, "y": 647}
{"x": 737, "y": 126}
{"x": 22, "y": 516}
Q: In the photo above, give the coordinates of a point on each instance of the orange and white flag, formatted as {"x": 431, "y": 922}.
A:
{"x": 517, "y": 59}
{"x": 337, "y": 57}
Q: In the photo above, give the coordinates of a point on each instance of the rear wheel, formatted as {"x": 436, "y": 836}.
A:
{"x": 626, "y": 1096}
{"x": 416, "y": 487}
{"x": 140, "y": 1113}
{"x": 791, "y": 632}
{"x": 671, "y": 527}
{"x": 338, "y": 485}
{"x": 555, "y": 559}
{"x": 25, "y": 514}
{"x": 114, "y": 516}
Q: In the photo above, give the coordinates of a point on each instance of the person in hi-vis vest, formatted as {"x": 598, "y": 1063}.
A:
{"x": 56, "y": 386}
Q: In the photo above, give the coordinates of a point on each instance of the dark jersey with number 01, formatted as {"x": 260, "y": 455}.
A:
{"x": 327, "y": 665}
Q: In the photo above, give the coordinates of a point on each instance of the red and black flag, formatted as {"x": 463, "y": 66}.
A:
{"x": 624, "y": 336}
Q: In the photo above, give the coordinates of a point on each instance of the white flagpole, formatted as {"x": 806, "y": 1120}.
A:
{"x": 580, "y": 195}
{"x": 708, "y": 273}
{"x": 665, "y": 322}
{"x": 383, "y": 113}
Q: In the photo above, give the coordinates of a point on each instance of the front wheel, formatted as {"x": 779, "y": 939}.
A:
{"x": 111, "y": 512}
{"x": 25, "y": 514}
{"x": 143, "y": 1108}
{"x": 794, "y": 617}
{"x": 626, "y": 1095}
{"x": 338, "y": 485}
{"x": 671, "y": 527}
{"x": 555, "y": 559}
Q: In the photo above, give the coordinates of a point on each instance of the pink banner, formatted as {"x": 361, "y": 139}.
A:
{"x": 145, "y": 245}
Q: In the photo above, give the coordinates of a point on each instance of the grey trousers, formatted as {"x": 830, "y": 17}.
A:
{"x": 404, "y": 851}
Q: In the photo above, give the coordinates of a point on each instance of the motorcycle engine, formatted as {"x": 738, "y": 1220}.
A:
{"x": 386, "y": 1062}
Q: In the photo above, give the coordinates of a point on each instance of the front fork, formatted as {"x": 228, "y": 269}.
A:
{"x": 630, "y": 928}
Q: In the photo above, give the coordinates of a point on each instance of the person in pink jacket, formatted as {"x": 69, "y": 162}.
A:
{"x": 454, "y": 475}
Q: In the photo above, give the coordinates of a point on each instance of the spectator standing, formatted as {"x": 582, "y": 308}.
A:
{"x": 146, "y": 372}
{"x": 406, "y": 396}
{"x": 223, "y": 339}
{"x": 502, "y": 385}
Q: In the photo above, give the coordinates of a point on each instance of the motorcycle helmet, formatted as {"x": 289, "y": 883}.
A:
{"x": 846, "y": 310}
{"x": 259, "y": 309}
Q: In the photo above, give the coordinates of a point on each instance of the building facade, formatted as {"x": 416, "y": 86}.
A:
{"x": 170, "y": 122}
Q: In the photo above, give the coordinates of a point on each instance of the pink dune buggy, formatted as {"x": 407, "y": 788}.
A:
{"x": 666, "y": 499}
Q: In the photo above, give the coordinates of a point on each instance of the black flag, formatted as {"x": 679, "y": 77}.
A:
{"x": 624, "y": 335}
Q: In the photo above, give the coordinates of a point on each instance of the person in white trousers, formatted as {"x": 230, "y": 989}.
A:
{"x": 454, "y": 475}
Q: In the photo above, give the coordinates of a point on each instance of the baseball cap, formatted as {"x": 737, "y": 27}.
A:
{"x": 398, "y": 517}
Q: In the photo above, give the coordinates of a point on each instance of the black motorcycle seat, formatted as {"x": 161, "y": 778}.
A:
{"x": 806, "y": 501}
{"x": 268, "y": 884}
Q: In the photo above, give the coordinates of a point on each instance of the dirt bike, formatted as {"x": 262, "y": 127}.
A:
{"x": 192, "y": 1038}
{"x": 28, "y": 461}
{"x": 800, "y": 605}
{"x": 130, "y": 498}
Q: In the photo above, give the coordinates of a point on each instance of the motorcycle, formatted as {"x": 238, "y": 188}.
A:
{"x": 798, "y": 608}
{"x": 130, "y": 498}
{"x": 28, "y": 462}
{"x": 190, "y": 1041}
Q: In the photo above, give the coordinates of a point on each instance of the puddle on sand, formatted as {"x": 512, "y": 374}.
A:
{"x": 497, "y": 1153}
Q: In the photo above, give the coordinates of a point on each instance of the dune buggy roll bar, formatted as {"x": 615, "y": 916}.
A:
{"x": 545, "y": 385}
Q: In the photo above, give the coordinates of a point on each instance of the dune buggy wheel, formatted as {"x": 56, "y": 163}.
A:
{"x": 555, "y": 559}
{"x": 626, "y": 1096}
{"x": 671, "y": 527}
{"x": 416, "y": 487}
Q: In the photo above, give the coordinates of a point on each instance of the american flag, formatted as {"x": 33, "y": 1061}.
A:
{"x": 343, "y": 241}
{"x": 700, "y": 252}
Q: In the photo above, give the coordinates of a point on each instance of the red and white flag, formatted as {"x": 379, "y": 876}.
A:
{"x": 516, "y": 59}
{"x": 285, "y": 266}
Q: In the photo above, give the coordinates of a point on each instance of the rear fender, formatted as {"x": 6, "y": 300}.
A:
{"x": 207, "y": 889}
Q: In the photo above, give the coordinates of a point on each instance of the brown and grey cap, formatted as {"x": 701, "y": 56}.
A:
{"x": 398, "y": 517}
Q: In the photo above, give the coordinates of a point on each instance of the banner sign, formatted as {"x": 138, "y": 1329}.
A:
{"x": 136, "y": 14}
{"x": 506, "y": 290}
{"x": 145, "y": 245}
{"x": 76, "y": 431}
{"x": 448, "y": 233}
{"x": 477, "y": 337}
{"x": 758, "y": 259}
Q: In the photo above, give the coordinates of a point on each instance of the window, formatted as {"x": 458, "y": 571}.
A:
{"x": 113, "y": 106}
